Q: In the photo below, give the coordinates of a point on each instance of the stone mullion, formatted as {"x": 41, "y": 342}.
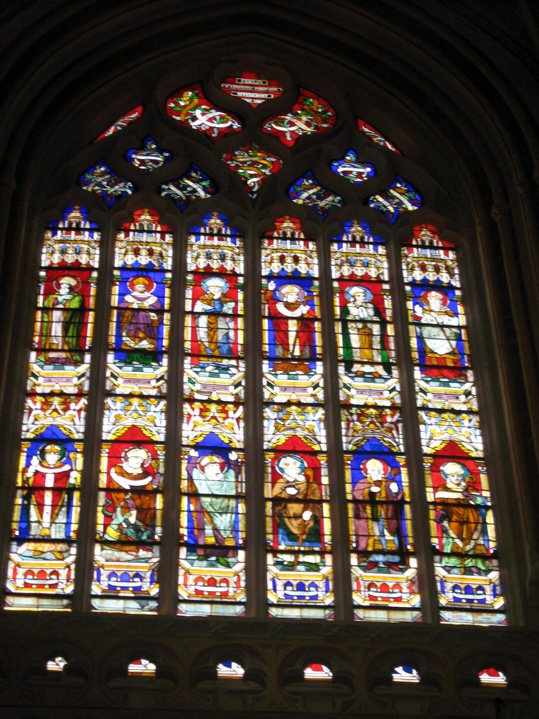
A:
{"x": 89, "y": 486}
{"x": 170, "y": 515}
{"x": 254, "y": 470}
{"x": 412, "y": 440}
{"x": 337, "y": 481}
{"x": 11, "y": 377}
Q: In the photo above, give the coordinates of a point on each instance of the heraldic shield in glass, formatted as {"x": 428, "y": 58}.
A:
{"x": 45, "y": 520}
{"x": 383, "y": 565}
{"x": 211, "y": 579}
{"x": 126, "y": 560}
{"x": 300, "y": 579}
{"x": 461, "y": 520}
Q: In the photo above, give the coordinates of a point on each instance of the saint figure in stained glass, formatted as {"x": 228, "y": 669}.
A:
{"x": 62, "y": 326}
{"x": 292, "y": 324}
{"x": 298, "y": 509}
{"x": 140, "y": 317}
{"x": 438, "y": 331}
{"x": 377, "y": 500}
{"x": 461, "y": 513}
{"x": 213, "y": 485}
{"x": 215, "y": 331}
{"x": 50, "y": 480}
{"x": 130, "y": 502}
{"x": 364, "y": 333}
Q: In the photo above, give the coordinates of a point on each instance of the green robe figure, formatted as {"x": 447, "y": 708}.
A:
{"x": 62, "y": 325}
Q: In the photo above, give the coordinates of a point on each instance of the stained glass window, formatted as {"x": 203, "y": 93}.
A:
{"x": 309, "y": 115}
{"x": 190, "y": 108}
{"x": 384, "y": 568}
{"x": 41, "y": 572}
{"x": 458, "y": 493}
{"x": 306, "y": 190}
{"x": 399, "y": 197}
{"x": 375, "y": 136}
{"x": 252, "y": 164}
{"x": 122, "y": 122}
{"x": 300, "y": 582}
{"x": 132, "y": 464}
{"x": 405, "y": 675}
{"x": 182, "y": 338}
{"x": 251, "y": 88}
{"x": 352, "y": 170}
{"x": 194, "y": 185}
{"x": 149, "y": 157}
{"x": 104, "y": 182}
{"x": 212, "y": 519}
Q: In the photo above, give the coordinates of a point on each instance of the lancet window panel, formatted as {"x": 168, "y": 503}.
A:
{"x": 298, "y": 528}
{"x": 41, "y": 571}
{"x": 211, "y": 578}
{"x": 132, "y": 462}
{"x": 383, "y": 563}
{"x": 460, "y": 506}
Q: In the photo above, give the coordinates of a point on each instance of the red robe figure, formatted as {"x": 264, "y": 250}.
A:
{"x": 130, "y": 503}
{"x": 291, "y": 318}
{"x": 49, "y": 478}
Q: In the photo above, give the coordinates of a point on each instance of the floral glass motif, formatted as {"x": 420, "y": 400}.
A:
{"x": 194, "y": 185}
{"x": 126, "y": 555}
{"x": 122, "y": 122}
{"x": 352, "y": 170}
{"x": 211, "y": 579}
{"x": 399, "y": 197}
{"x": 309, "y": 115}
{"x": 102, "y": 180}
{"x": 253, "y": 165}
{"x": 47, "y": 505}
{"x": 251, "y": 88}
{"x": 375, "y": 136}
{"x": 383, "y": 565}
{"x": 190, "y": 108}
{"x": 458, "y": 494}
{"x": 306, "y": 190}
{"x": 300, "y": 580}
{"x": 149, "y": 157}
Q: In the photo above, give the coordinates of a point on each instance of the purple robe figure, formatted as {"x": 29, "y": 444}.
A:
{"x": 140, "y": 317}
